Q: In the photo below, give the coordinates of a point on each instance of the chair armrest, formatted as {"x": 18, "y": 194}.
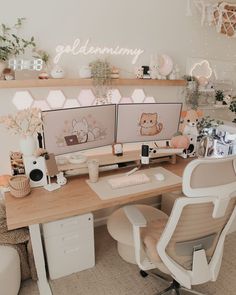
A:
{"x": 135, "y": 216}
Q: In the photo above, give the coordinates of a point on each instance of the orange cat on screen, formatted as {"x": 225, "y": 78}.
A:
{"x": 149, "y": 124}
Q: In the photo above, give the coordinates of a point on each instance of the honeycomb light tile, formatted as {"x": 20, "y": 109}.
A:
{"x": 86, "y": 97}
{"x": 71, "y": 103}
{"x": 138, "y": 96}
{"x": 126, "y": 100}
{"x": 22, "y": 100}
{"x": 41, "y": 104}
{"x": 149, "y": 99}
{"x": 56, "y": 99}
{"x": 114, "y": 95}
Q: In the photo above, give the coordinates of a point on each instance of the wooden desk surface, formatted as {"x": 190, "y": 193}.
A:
{"x": 74, "y": 198}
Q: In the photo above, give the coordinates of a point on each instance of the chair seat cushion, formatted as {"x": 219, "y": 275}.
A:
{"x": 121, "y": 229}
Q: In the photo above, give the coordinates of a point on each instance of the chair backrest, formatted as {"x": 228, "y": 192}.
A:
{"x": 191, "y": 245}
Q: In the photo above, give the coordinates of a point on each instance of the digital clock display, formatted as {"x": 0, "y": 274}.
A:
{"x": 21, "y": 64}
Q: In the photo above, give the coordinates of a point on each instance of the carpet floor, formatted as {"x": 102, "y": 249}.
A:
{"x": 113, "y": 276}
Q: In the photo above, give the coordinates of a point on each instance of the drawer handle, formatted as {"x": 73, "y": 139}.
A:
{"x": 71, "y": 250}
{"x": 70, "y": 238}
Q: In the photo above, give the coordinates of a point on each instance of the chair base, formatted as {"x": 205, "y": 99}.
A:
{"x": 174, "y": 286}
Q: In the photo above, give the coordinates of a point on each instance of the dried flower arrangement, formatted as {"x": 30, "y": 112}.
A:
{"x": 25, "y": 122}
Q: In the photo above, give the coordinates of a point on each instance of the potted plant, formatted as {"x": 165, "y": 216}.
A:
{"x": 101, "y": 71}
{"x": 219, "y": 96}
{"x": 206, "y": 125}
{"x": 232, "y": 108}
{"x": 192, "y": 92}
{"x": 42, "y": 54}
{"x": 11, "y": 44}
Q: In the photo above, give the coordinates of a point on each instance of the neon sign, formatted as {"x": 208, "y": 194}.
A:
{"x": 86, "y": 49}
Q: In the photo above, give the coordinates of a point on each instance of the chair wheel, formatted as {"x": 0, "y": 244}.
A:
{"x": 143, "y": 273}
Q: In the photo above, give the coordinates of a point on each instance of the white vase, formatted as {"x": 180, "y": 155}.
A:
{"x": 27, "y": 145}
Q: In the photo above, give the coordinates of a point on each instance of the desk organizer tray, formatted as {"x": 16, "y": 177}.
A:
{"x": 105, "y": 192}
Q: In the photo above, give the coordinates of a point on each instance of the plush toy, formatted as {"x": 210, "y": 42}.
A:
{"x": 189, "y": 118}
{"x": 188, "y": 128}
{"x": 180, "y": 141}
{"x": 17, "y": 164}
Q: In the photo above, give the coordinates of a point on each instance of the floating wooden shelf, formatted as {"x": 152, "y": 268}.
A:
{"x": 87, "y": 82}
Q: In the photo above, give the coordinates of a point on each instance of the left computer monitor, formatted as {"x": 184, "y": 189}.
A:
{"x": 76, "y": 129}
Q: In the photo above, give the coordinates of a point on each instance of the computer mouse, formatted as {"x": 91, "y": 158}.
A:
{"x": 160, "y": 176}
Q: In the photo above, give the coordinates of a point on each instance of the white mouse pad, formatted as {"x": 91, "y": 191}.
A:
{"x": 105, "y": 192}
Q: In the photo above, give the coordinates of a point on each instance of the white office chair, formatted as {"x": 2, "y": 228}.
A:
{"x": 189, "y": 246}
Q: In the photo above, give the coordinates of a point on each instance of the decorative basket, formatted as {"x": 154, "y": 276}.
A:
{"x": 19, "y": 186}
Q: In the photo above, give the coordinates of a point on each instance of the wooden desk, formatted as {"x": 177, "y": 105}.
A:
{"x": 74, "y": 198}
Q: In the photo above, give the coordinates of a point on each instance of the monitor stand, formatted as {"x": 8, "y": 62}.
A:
{"x": 129, "y": 159}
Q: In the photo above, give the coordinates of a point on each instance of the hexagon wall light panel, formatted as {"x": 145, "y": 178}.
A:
{"x": 126, "y": 100}
{"x": 114, "y": 95}
{"x": 22, "y": 100}
{"x": 56, "y": 99}
{"x": 138, "y": 96}
{"x": 71, "y": 103}
{"x": 86, "y": 97}
{"x": 149, "y": 99}
{"x": 41, "y": 104}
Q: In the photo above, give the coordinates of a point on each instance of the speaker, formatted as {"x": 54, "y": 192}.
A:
{"x": 35, "y": 169}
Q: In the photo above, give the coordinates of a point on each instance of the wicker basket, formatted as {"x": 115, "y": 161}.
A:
{"x": 19, "y": 186}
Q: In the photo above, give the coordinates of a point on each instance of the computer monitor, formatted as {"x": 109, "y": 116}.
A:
{"x": 76, "y": 129}
{"x": 141, "y": 122}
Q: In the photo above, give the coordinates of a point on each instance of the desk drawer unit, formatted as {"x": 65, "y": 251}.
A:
{"x": 69, "y": 245}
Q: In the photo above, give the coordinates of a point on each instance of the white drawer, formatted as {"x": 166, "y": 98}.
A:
{"x": 72, "y": 224}
{"x": 69, "y": 253}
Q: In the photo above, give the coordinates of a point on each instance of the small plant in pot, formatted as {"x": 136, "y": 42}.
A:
{"x": 232, "y": 108}
{"x": 101, "y": 71}
{"x": 192, "y": 92}
{"x": 219, "y": 96}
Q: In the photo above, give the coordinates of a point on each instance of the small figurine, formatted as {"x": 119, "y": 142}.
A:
{"x": 57, "y": 72}
{"x": 61, "y": 180}
{"x": 8, "y": 74}
{"x": 43, "y": 76}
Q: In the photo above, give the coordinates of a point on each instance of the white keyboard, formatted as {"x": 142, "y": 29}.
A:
{"x": 124, "y": 181}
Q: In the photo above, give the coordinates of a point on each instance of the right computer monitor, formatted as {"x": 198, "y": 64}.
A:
{"x": 147, "y": 122}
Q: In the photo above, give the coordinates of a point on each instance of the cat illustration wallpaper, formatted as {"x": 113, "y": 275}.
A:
{"x": 147, "y": 122}
{"x": 79, "y": 128}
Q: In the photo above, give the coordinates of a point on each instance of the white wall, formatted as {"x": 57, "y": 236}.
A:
{"x": 157, "y": 26}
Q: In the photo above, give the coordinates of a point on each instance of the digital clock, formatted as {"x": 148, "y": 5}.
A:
{"x": 21, "y": 64}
